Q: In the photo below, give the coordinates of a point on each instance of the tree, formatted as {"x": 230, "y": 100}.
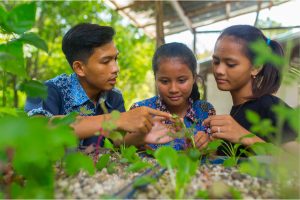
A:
{"x": 55, "y": 18}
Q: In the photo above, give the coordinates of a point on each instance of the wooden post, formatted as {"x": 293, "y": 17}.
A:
{"x": 195, "y": 41}
{"x": 160, "y": 38}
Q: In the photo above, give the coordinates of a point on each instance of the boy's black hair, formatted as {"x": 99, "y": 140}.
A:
{"x": 181, "y": 51}
{"x": 81, "y": 40}
{"x": 268, "y": 79}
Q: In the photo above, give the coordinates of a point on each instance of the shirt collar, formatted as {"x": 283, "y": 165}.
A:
{"x": 190, "y": 114}
{"x": 80, "y": 96}
{"x": 103, "y": 97}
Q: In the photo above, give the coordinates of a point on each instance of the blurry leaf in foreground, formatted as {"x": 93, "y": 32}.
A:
{"x": 166, "y": 156}
{"x": 78, "y": 161}
{"x": 34, "y": 89}
{"x": 265, "y": 55}
{"x": 35, "y": 40}
{"x": 21, "y": 18}
{"x": 15, "y": 66}
{"x": 66, "y": 120}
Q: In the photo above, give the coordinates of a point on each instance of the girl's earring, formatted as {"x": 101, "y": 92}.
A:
{"x": 254, "y": 76}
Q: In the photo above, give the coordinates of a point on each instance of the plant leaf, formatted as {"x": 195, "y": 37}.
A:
{"x": 3, "y": 15}
{"x": 15, "y": 66}
{"x": 202, "y": 194}
{"x": 34, "y": 89}
{"x": 142, "y": 181}
{"x": 108, "y": 144}
{"x": 111, "y": 168}
{"x": 4, "y": 56}
{"x": 230, "y": 162}
{"x": 78, "y": 161}
{"x": 252, "y": 117}
{"x": 21, "y": 18}
{"x": 66, "y": 120}
{"x": 265, "y": 55}
{"x": 166, "y": 156}
{"x": 115, "y": 136}
{"x": 115, "y": 115}
{"x": 194, "y": 154}
{"x": 35, "y": 40}
{"x": 102, "y": 162}
{"x": 129, "y": 154}
{"x": 137, "y": 166}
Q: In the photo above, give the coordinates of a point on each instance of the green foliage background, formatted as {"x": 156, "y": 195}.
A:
{"x": 55, "y": 18}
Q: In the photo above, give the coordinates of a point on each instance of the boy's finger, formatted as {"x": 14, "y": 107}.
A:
{"x": 158, "y": 119}
{"x": 160, "y": 113}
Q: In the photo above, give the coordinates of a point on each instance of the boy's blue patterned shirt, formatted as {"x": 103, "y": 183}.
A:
{"x": 66, "y": 95}
{"x": 196, "y": 113}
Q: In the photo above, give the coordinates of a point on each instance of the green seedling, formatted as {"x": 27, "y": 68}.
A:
{"x": 142, "y": 181}
{"x": 231, "y": 151}
{"x": 129, "y": 155}
{"x": 103, "y": 162}
{"x": 182, "y": 131}
{"x": 78, "y": 161}
{"x": 137, "y": 166}
{"x": 184, "y": 167}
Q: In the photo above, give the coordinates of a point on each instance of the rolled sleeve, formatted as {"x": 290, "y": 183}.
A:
{"x": 39, "y": 111}
{"x": 48, "y": 107}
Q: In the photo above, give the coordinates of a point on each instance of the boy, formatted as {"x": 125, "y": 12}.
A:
{"x": 92, "y": 54}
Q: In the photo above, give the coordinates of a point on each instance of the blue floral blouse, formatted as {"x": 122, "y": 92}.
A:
{"x": 196, "y": 113}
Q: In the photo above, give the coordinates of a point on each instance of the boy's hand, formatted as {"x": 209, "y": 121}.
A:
{"x": 140, "y": 119}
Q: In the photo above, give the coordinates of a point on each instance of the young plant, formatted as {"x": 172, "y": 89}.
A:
{"x": 35, "y": 148}
{"x": 181, "y": 131}
{"x": 231, "y": 151}
{"x": 180, "y": 167}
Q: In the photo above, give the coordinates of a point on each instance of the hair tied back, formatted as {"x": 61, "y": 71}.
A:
{"x": 268, "y": 41}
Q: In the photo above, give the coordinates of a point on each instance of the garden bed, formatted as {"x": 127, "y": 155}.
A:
{"x": 210, "y": 180}
{"x": 217, "y": 181}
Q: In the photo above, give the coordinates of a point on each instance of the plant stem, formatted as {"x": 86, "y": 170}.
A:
{"x": 193, "y": 141}
{"x": 172, "y": 176}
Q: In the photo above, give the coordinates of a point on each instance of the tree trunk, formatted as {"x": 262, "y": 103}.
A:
{"x": 16, "y": 98}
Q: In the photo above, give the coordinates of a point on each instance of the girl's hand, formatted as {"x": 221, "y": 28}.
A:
{"x": 225, "y": 127}
{"x": 201, "y": 139}
{"x": 158, "y": 134}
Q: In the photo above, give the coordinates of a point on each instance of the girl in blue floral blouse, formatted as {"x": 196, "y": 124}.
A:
{"x": 174, "y": 66}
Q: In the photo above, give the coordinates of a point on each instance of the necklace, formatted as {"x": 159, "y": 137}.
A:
{"x": 237, "y": 110}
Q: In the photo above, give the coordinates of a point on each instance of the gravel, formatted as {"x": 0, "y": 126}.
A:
{"x": 218, "y": 181}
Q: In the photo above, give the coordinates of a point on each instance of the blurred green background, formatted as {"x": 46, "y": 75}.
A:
{"x": 53, "y": 19}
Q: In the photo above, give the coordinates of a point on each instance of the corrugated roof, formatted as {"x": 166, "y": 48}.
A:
{"x": 185, "y": 15}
